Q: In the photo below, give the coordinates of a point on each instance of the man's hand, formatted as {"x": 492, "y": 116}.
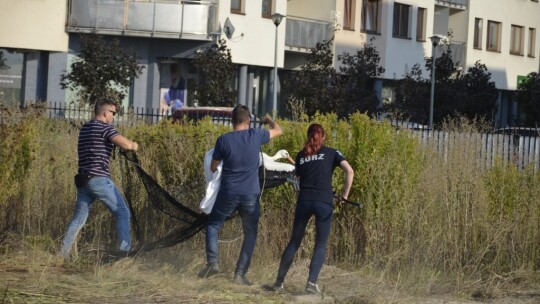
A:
{"x": 275, "y": 129}
{"x": 267, "y": 120}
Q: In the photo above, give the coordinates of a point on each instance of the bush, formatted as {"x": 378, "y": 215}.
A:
{"x": 422, "y": 211}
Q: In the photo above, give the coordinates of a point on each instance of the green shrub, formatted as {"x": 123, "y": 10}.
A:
{"x": 423, "y": 211}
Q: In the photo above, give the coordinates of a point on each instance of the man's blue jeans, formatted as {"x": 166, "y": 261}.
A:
{"x": 103, "y": 189}
{"x": 249, "y": 210}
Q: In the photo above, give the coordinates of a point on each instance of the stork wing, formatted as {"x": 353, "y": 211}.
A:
{"x": 271, "y": 179}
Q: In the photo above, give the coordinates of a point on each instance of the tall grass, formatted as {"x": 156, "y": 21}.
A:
{"x": 423, "y": 215}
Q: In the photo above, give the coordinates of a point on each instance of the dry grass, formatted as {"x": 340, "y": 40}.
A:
{"x": 31, "y": 274}
{"x": 432, "y": 227}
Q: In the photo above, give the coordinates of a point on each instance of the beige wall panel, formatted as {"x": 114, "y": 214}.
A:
{"x": 33, "y": 24}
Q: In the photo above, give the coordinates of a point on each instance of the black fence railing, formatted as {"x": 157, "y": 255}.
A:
{"x": 130, "y": 116}
{"x": 137, "y": 115}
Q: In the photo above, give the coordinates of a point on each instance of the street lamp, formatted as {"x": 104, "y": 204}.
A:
{"x": 276, "y": 18}
{"x": 435, "y": 40}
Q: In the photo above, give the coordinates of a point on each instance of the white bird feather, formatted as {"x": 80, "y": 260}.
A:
{"x": 271, "y": 163}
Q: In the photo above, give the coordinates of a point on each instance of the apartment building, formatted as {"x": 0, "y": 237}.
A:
{"x": 502, "y": 34}
{"x": 39, "y": 41}
{"x": 44, "y": 38}
{"x": 32, "y": 37}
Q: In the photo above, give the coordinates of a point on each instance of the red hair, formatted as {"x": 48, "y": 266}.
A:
{"x": 315, "y": 139}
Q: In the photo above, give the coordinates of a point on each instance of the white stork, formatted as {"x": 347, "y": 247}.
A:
{"x": 270, "y": 162}
{"x": 275, "y": 173}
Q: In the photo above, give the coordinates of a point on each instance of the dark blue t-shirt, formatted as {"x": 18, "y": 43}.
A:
{"x": 315, "y": 173}
{"x": 239, "y": 152}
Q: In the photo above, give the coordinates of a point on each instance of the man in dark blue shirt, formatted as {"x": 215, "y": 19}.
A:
{"x": 239, "y": 189}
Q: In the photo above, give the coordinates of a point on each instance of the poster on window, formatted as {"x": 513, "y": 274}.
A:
{"x": 172, "y": 87}
{"x": 11, "y": 74}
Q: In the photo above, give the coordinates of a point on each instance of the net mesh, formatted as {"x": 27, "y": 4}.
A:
{"x": 161, "y": 220}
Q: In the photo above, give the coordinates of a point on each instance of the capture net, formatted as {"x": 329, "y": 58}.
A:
{"x": 271, "y": 178}
{"x": 161, "y": 220}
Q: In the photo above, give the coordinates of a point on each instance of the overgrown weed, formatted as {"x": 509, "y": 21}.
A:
{"x": 430, "y": 219}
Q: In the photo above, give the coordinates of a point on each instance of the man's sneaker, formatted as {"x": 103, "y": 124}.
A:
{"x": 241, "y": 279}
{"x": 208, "y": 271}
{"x": 312, "y": 288}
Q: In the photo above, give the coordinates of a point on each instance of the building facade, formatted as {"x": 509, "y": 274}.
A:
{"x": 39, "y": 41}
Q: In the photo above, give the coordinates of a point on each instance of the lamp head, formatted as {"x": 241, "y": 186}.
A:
{"x": 276, "y": 18}
{"x": 436, "y": 39}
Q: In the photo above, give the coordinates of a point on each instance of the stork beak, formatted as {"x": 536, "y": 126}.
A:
{"x": 290, "y": 160}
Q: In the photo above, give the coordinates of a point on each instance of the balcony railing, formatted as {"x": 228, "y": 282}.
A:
{"x": 458, "y": 50}
{"x": 196, "y": 19}
{"x": 462, "y": 4}
{"x": 303, "y": 34}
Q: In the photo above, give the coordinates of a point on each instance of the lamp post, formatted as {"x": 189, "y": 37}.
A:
{"x": 276, "y": 18}
{"x": 435, "y": 40}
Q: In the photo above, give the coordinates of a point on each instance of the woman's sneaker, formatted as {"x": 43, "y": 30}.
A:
{"x": 312, "y": 288}
{"x": 277, "y": 286}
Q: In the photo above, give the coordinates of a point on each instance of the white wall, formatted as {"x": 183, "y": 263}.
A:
{"x": 401, "y": 54}
{"x": 253, "y": 41}
{"x": 312, "y": 9}
{"x": 348, "y": 40}
{"x": 33, "y": 24}
{"x": 504, "y": 67}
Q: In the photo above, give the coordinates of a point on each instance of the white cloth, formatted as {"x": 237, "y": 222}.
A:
{"x": 213, "y": 181}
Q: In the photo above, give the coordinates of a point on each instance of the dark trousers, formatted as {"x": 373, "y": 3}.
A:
{"x": 323, "y": 212}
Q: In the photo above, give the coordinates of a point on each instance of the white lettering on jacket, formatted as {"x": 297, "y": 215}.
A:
{"x": 311, "y": 157}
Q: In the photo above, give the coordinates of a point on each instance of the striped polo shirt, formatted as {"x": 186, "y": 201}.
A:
{"x": 95, "y": 148}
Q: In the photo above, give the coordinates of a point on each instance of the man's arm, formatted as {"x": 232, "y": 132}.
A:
{"x": 124, "y": 143}
{"x": 214, "y": 164}
{"x": 275, "y": 129}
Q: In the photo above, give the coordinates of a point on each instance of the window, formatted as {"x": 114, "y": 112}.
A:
{"x": 401, "y": 20}
{"x": 348, "y": 15}
{"x": 494, "y": 36}
{"x": 532, "y": 42}
{"x": 236, "y": 6}
{"x": 516, "y": 40}
{"x": 477, "y": 43}
{"x": 267, "y": 8}
{"x": 11, "y": 77}
{"x": 370, "y": 16}
{"x": 421, "y": 24}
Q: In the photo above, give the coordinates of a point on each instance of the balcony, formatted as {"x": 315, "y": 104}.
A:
{"x": 458, "y": 4}
{"x": 164, "y": 19}
{"x": 458, "y": 50}
{"x": 303, "y": 34}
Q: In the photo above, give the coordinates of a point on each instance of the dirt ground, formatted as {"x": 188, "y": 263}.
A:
{"x": 35, "y": 276}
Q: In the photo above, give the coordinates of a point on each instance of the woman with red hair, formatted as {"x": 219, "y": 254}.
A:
{"x": 315, "y": 165}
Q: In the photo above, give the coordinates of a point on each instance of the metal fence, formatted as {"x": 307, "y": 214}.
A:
{"x": 131, "y": 116}
{"x": 485, "y": 148}
{"x": 137, "y": 115}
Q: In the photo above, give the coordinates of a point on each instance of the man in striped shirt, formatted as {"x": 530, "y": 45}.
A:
{"x": 96, "y": 141}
